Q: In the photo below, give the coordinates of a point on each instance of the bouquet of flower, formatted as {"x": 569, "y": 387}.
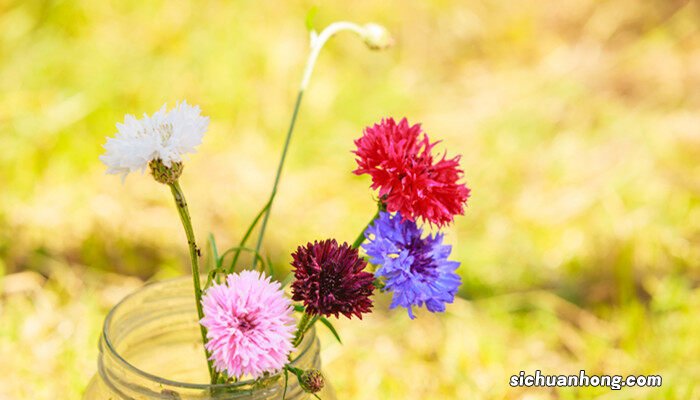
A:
{"x": 247, "y": 321}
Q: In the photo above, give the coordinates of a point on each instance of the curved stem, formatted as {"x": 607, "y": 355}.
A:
{"x": 317, "y": 43}
{"x": 307, "y": 321}
{"x": 238, "y": 251}
{"x": 184, "y": 212}
{"x": 241, "y": 245}
{"x": 361, "y": 236}
{"x": 286, "y": 381}
{"x": 278, "y": 175}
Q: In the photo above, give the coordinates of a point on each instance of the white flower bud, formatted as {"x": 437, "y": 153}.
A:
{"x": 376, "y": 36}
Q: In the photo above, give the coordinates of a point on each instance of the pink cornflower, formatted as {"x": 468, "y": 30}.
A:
{"x": 410, "y": 181}
{"x": 249, "y": 325}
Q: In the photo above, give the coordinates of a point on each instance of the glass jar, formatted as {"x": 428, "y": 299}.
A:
{"x": 151, "y": 348}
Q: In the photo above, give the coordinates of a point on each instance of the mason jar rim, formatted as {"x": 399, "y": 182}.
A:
{"x": 308, "y": 339}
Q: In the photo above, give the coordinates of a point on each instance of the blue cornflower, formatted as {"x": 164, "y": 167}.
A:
{"x": 415, "y": 268}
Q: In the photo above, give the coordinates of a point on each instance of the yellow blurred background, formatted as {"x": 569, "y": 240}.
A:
{"x": 579, "y": 126}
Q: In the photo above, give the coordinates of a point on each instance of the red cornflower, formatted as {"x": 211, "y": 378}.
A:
{"x": 409, "y": 179}
{"x": 330, "y": 279}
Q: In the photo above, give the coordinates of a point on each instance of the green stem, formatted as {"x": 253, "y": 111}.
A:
{"x": 182, "y": 209}
{"x": 278, "y": 174}
{"x": 317, "y": 44}
{"x": 286, "y": 381}
{"x": 300, "y": 328}
{"x": 306, "y": 322}
{"x": 247, "y": 235}
{"x": 294, "y": 370}
{"x": 361, "y": 237}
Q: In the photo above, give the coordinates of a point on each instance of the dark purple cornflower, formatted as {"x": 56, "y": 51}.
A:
{"x": 330, "y": 280}
{"x": 415, "y": 269}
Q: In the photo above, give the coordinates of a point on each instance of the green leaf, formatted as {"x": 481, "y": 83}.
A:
{"x": 299, "y": 308}
{"x": 210, "y": 278}
{"x": 379, "y": 284}
{"x": 287, "y": 280}
{"x": 214, "y": 250}
{"x": 330, "y": 327}
{"x": 269, "y": 265}
{"x": 310, "y": 18}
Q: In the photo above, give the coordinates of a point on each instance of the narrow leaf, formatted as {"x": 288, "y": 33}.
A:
{"x": 330, "y": 327}
{"x": 237, "y": 251}
{"x": 310, "y": 16}
{"x": 214, "y": 250}
{"x": 210, "y": 278}
{"x": 269, "y": 265}
{"x": 287, "y": 280}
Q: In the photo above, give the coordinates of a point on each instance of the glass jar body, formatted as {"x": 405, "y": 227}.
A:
{"x": 151, "y": 348}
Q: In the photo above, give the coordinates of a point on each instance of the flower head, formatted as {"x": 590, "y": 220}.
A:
{"x": 376, "y": 36}
{"x": 166, "y": 136}
{"x": 416, "y": 268}
{"x": 410, "y": 180}
{"x": 330, "y": 279}
{"x": 249, "y": 325}
{"x": 312, "y": 381}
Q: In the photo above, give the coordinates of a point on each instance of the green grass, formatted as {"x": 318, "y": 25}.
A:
{"x": 578, "y": 126}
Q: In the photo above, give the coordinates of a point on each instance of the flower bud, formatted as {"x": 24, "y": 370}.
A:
{"x": 164, "y": 174}
{"x": 312, "y": 381}
{"x": 376, "y": 37}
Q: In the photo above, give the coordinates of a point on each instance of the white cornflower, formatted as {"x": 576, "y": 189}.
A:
{"x": 164, "y": 138}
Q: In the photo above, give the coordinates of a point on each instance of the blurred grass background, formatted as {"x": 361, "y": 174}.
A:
{"x": 579, "y": 125}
